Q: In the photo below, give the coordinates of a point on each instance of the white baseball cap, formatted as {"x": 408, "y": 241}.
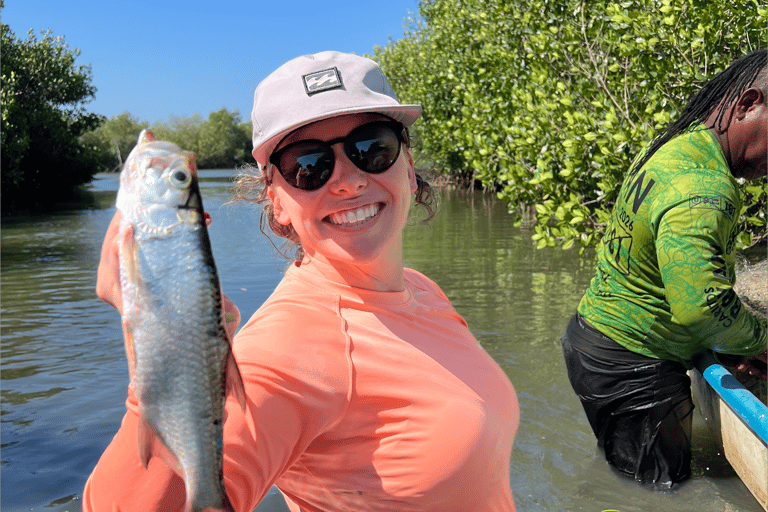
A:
{"x": 316, "y": 87}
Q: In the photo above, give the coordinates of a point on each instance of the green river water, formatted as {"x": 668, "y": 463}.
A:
{"x": 64, "y": 374}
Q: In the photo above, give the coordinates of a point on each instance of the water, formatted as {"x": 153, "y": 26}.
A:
{"x": 64, "y": 374}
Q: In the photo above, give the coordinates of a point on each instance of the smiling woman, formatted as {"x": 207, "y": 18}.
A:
{"x": 358, "y": 216}
{"x": 358, "y": 372}
{"x": 307, "y": 164}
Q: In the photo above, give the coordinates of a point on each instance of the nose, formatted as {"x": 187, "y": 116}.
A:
{"x": 346, "y": 177}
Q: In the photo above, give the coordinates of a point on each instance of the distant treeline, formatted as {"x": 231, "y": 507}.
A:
{"x": 51, "y": 145}
{"x": 221, "y": 141}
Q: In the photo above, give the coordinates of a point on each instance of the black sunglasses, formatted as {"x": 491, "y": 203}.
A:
{"x": 372, "y": 147}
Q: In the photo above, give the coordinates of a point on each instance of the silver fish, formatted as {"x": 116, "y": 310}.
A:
{"x": 172, "y": 319}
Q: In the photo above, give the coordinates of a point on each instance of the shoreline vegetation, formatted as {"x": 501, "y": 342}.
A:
{"x": 539, "y": 104}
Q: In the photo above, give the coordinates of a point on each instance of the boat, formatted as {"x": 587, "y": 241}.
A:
{"x": 739, "y": 420}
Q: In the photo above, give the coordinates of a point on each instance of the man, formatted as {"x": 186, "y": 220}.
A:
{"x": 663, "y": 287}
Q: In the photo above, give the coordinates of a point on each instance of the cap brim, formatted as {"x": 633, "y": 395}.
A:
{"x": 405, "y": 114}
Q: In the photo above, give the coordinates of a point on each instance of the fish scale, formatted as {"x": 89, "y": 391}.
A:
{"x": 172, "y": 317}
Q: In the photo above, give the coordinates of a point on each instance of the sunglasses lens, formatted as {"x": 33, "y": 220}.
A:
{"x": 373, "y": 148}
{"x": 306, "y": 166}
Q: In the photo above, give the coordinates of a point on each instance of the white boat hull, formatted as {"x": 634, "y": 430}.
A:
{"x": 746, "y": 452}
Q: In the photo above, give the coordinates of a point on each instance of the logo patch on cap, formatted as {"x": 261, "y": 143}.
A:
{"x": 322, "y": 81}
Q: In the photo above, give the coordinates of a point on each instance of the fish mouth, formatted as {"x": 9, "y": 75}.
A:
{"x": 356, "y": 216}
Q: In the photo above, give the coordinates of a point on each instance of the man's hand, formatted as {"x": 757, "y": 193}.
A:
{"x": 754, "y": 366}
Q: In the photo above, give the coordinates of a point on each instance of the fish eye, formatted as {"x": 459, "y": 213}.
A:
{"x": 180, "y": 178}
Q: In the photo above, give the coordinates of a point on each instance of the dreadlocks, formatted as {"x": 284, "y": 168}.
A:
{"x": 720, "y": 92}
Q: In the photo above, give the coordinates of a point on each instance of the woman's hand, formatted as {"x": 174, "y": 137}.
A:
{"x": 108, "y": 274}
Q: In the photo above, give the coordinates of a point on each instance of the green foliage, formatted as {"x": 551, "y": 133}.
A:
{"x": 43, "y": 114}
{"x": 182, "y": 131}
{"x": 220, "y": 142}
{"x": 114, "y": 139}
{"x": 51, "y": 145}
{"x": 547, "y": 102}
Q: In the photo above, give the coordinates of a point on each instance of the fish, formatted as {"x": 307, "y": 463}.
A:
{"x": 173, "y": 321}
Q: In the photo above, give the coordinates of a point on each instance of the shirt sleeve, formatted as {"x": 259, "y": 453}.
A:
{"x": 296, "y": 380}
{"x": 693, "y": 242}
{"x": 296, "y": 372}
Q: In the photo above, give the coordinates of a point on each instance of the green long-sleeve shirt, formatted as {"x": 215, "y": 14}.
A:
{"x": 665, "y": 273}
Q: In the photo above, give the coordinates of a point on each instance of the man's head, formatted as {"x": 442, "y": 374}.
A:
{"x": 732, "y": 104}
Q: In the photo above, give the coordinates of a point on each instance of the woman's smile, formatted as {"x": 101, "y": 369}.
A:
{"x": 354, "y": 217}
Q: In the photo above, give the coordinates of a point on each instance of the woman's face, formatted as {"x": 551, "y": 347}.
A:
{"x": 356, "y": 218}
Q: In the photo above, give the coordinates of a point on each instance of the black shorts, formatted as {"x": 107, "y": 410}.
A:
{"x": 638, "y": 407}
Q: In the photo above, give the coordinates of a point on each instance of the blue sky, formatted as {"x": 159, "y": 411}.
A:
{"x": 157, "y": 58}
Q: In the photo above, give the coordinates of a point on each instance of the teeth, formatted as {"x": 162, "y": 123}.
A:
{"x": 351, "y": 217}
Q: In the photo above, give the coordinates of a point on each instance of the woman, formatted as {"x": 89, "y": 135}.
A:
{"x": 365, "y": 389}
{"x": 663, "y": 289}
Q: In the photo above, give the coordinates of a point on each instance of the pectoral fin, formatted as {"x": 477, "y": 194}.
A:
{"x": 146, "y": 439}
{"x": 150, "y": 445}
{"x": 235, "y": 381}
{"x": 129, "y": 278}
{"x": 231, "y": 319}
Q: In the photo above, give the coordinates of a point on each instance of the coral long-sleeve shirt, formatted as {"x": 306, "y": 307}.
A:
{"x": 356, "y": 400}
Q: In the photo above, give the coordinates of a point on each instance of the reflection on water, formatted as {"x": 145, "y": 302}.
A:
{"x": 64, "y": 373}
